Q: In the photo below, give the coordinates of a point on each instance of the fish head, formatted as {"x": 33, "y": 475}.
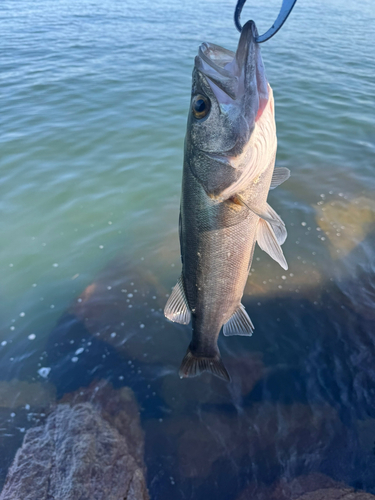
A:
{"x": 229, "y": 94}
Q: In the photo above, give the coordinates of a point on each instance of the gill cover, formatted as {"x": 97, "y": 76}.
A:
{"x": 237, "y": 90}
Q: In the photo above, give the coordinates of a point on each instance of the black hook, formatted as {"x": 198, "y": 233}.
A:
{"x": 285, "y": 10}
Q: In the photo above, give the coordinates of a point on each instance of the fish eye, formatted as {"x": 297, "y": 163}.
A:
{"x": 201, "y": 106}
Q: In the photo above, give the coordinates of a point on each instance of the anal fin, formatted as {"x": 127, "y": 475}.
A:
{"x": 193, "y": 365}
{"x": 280, "y": 175}
{"x": 239, "y": 323}
{"x": 177, "y": 309}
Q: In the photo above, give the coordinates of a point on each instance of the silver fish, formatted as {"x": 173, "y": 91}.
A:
{"x": 230, "y": 150}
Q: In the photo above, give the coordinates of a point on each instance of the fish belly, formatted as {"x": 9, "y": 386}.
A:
{"x": 217, "y": 244}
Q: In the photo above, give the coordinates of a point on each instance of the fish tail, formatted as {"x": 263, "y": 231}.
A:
{"x": 193, "y": 365}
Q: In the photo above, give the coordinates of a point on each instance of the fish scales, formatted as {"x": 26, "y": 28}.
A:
{"x": 230, "y": 150}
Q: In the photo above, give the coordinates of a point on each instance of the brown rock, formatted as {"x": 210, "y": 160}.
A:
{"x": 82, "y": 452}
{"x": 19, "y": 393}
{"x": 264, "y": 434}
{"x": 345, "y": 223}
{"x": 336, "y": 494}
{"x": 124, "y": 307}
{"x": 313, "y": 486}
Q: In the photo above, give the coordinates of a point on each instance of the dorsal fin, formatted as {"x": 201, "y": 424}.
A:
{"x": 177, "y": 309}
{"x": 280, "y": 175}
{"x": 268, "y": 242}
{"x": 239, "y": 323}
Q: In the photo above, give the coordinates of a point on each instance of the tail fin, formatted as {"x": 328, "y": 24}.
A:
{"x": 193, "y": 365}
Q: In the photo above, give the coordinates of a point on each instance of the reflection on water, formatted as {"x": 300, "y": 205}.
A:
{"x": 95, "y": 109}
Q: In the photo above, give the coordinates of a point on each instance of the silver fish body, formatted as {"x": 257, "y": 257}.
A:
{"x": 230, "y": 150}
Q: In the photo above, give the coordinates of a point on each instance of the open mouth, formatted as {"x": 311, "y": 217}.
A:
{"x": 231, "y": 75}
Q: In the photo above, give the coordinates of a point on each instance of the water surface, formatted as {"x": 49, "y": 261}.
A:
{"x": 94, "y": 101}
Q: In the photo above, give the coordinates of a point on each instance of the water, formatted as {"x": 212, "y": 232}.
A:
{"x": 94, "y": 99}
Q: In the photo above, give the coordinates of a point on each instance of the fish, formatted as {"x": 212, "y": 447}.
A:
{"x": 229, "y": 168}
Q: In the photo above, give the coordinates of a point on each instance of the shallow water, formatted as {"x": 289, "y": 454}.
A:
{"x": 94, "y": 99}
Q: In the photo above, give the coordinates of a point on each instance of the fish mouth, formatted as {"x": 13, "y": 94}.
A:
{"x": 233, "y": 75}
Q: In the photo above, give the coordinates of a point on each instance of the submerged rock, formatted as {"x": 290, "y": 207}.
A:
{"x": 19, "y": 393}
{"x": 84, "y": 451}
{"x": 346, "y": 223}
{"x": 314, "y": 486}
{"x": 123, "y": 307}
{"x": 273, "y": 438}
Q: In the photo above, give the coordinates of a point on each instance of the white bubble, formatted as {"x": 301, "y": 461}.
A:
{"x": 303, "y": 223}
{"x": 130, "y": 295}
{"x": 113, "y": 335}
{"x": 55, "y": 264}
{"x": 27, "y": 407}
{"x": 4, "y": 342}
{"x": 74, "y": 359}
{"x": 12, "y": 415}
{"x": 79, "y": 351}
{"x": 101, "y": 247}
{"x": 44, "y": 371}
{"x": 32, "y": 336}
{"x": 141, "y": 325}
{"x": 22, "y": 314}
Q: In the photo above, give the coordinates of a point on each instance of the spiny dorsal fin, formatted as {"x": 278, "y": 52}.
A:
{"x": 239, "y": 323}
{"x": 268, "y": 242}
{"x": 193, "y": 365}
{"x": 177, "y": 309}
{"x": 280, "y": 175}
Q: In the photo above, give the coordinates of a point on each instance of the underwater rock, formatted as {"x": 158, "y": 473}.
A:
{"x": 336, "y": 494}
{"x": 22, "y": 405}
{"x": 267, "y": 280}
{"x": 314, "y": 486}
{"x": 350, "y": 228}
{"x": 266, "y": 436}
{"x": 345, "y": 223}
{"x": 124, "y": 308}
{"x": 84, "y": 451}
{"x": 19, "y": 393}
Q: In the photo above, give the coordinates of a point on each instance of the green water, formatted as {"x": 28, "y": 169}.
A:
{"x": 94, "y": 100}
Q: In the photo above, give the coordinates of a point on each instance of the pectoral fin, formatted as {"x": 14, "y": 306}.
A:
{"x": 280, "y": 175}
{"x": 266, "y": 212}
{"x": 239, "y": 324}
{"x": 177, "y": 309}
{"x": 268, "y": 242}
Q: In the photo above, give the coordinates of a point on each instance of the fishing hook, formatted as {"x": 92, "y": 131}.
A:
{"x": 285, "y": 10}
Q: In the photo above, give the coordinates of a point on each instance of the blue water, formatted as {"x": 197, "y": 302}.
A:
{"x": 94, "y": 100}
